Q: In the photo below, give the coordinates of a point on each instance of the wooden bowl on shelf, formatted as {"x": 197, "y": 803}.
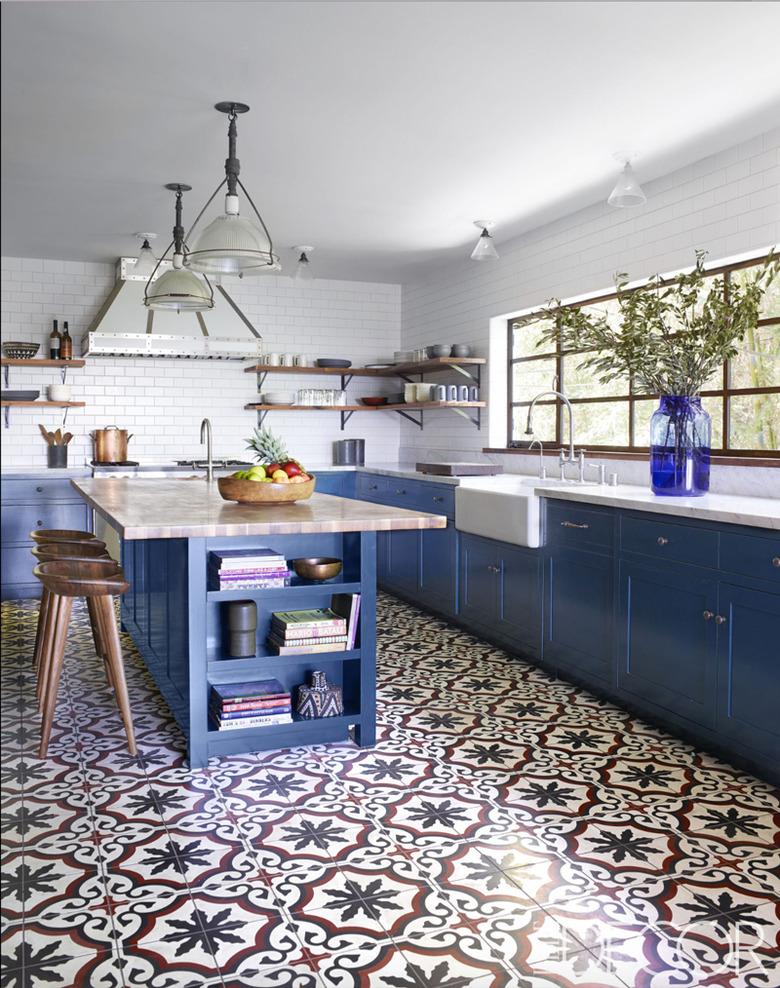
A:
{"x": 374, "y": 401}
{"x": 257, "y": 492}
{"x": 317, "y": 567}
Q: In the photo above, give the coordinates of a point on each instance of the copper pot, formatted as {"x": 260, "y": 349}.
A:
{"x": 111, "y": 444}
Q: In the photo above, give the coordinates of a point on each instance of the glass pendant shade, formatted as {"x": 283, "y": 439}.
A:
{"x": 145, "y": 262}
{"x": 232, "y": 244}
{"x": 484, "y": 250}
{"x": 627, "y": 191}
{"x": 179, "y": 290}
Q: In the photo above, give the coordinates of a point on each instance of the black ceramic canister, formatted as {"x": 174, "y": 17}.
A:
{"x": 242, "y": 625}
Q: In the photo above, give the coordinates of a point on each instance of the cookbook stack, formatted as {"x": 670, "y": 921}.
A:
{"x": 255, "y": 704}
{"x": 325, "y": 629}
{"x": 234, "y": 569}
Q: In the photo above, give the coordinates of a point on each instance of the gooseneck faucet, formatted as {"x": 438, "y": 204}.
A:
{"x": 205, "y": 428}
{"x": 554, "y": 394}
{"x": 542, "y": 471}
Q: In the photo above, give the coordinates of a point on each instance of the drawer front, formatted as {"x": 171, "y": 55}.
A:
{"x": 18, "y": 520}
{"x": 664, "y": 540}
{"x": 16, "y": 568}
{"x": 570, "y": 524}
{"x": 371, "y": 487}
{"x": 60, "y": 489}
{"x": 756, "y": 556}
{"x": 330, "y": 483}
{"x": 437, "y": 498}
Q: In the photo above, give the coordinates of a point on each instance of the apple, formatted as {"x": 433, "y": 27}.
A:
{"x": 271, "y": 469}
{"x": 256, "y": 473}
{"x": 280, "y": 477}
{"x": 292, "y": 469}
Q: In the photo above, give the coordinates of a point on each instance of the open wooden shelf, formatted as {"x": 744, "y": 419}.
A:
{"x": 395, "y": 370}
{"x": 36, "y": 362}
{"x": 403, "y": 406}
{"x": 43, "y": 404}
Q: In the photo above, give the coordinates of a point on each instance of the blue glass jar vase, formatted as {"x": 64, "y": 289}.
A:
{"x": 680, "y": 433}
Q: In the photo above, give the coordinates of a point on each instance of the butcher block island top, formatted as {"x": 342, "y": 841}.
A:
{"x": 184, "y": 509}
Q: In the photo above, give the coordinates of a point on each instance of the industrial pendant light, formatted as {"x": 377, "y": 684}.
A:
{"x": 627, "y": 191}
{"x": 232, "y": 244}
{"x": 146, "y": 262}
{"x": 303, "y": 270}
{"x": 178, "y": 289}
{"x": 484, "y": 249}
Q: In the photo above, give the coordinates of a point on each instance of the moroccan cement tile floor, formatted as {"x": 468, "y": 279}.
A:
{"x": 508, "y": 829}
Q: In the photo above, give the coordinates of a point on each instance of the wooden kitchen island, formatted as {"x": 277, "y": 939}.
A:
{"x": 167, "y": 530}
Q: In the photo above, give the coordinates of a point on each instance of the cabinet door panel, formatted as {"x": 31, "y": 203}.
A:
{"x": 519, "y": 598}
{"x": 480, "y": 563}
{"x": 579, "y": 612}
{"x": 666, "y": 647}
{"x": 18, "y": 520}
{"x": 749, "y": 668}
{"x": 382, "y": 557}
{"x": 438, "y": 568}
{"x": 404, "y": 564}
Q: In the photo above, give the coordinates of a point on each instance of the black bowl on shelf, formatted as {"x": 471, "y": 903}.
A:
{"x": 20, "y": 395}
{"x": 332, "y": 362}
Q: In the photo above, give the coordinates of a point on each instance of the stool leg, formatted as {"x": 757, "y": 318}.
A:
{"x": 111, "y": 638}
{"x": 56, "y": 657}
{"x": 99, "y": 635}
{"x": 47, "y": 640}
{"x": 39, "y": 630}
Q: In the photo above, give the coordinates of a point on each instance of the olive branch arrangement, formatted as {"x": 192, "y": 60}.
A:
{"x": 672, "y": 336}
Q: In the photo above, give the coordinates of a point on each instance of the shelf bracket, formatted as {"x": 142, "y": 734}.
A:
{"x": 346, "y": 380}
{"x": 406, "y": 415}
{"x": 465, "y": 373}
{"x": 6, "y": 371}
{"x": 65, "y": 416}
{"x": 261, "y": 376}
{"x": 261, "y": 414}
{"x": 7, "y": 414}
{"x": 63, "y": 374}
{"x": 345, "y": 417}
{"x": 474, "y": 421}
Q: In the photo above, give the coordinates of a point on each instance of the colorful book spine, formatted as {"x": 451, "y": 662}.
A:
{"x": 309, "y": 649}
{"x": 254, "y": 704}
{"x": 319, "y": 640}
{"x": 227, "y": 725}
{"x": 296, "y": 634}
{"x": 252, "y": 714}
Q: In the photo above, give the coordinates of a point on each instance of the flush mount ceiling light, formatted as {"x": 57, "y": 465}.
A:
{"x": 146, "y": 262}
{"x": 303, "y": 270}
{"x": 484, "y": 249}
{"x": 178, "y": 289}
{"x": 232, "y": 244}
{"x": 627, "y": 192}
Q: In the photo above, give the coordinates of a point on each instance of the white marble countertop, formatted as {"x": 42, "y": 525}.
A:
{"x": 50, "y": 473}
{"x": 757, "y": 512}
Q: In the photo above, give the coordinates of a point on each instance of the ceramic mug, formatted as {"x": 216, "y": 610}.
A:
{"x": 424, "y": 391}
{"x": 440, "y": 393}
{"x": 410, "y": 393}
{"x": 273, "y": 360}
{"x": 463, "y": 393}
{"x": 302, "y": 360}
{"x": 452, "y": 392}
{"x": 473, "y": 393}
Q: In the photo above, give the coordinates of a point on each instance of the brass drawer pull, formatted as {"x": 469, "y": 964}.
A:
{"x": 719, "y": 619}
{"x": 776, "y": 562}
{"x": 438, "y": 500}
{"x": 708, "y": 615}
{"x": 493, "y": 569}
{"x": 574, "y": 524}
{"x": 662, "y": 540}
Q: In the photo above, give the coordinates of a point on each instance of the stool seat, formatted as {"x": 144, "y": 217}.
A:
{"x": 48, "y": 551}
{"x": 82, "y": 577}
{"x": 61, "y": 535}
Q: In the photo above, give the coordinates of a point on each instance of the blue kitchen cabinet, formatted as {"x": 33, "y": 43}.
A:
{"x": 578, "y": 618}
{"x": 338, "y": 482}
{"x": 666, "y": 637}
{"x": 403, "y": 564}
{"x": 500, "y": 592}
{"x": 439, "y": 568}
{"x": 27, "y": 504}
{"x": 748, "y": 668}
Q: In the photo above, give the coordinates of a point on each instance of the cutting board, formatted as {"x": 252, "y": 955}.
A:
{"x": 459, "y": 469}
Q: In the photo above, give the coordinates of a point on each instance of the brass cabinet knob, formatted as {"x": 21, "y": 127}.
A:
{"x": 573, "y": 524}
{"x": 719, "y": 619}
{"x": 708, "y": 615}
{"x": 662, "y": 540}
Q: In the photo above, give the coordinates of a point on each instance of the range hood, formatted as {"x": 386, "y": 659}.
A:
{"x": 124, "y": 327}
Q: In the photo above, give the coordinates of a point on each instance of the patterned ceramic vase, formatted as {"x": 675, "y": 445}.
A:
{"x": 319, "y": 698}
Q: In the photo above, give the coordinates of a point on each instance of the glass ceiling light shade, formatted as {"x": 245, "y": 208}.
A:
{"x": 485, "y": 249}
{"x": 178, "y": 289}
{"x": 303, "y": 270}
{"x": 232, "y": 244}
{"x": 627, "y": 191}
{"x": 146, "y": 262}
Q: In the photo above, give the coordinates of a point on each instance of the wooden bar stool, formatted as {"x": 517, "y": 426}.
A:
{"x": 99, "y": 579}
{"x": 72, "y": 551}
{"x": 49, "y": 535}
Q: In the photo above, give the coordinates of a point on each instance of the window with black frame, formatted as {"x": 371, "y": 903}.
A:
{"x": 743, "y": 397}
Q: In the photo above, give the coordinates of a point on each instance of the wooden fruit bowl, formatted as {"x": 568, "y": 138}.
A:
{"x": 252, "y": 492}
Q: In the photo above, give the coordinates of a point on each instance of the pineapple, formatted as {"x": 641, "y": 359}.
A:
{"x": 267, "y": 447}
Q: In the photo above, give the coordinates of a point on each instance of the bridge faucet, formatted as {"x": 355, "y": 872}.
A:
{"x": 529, "y": 429}
{"x": 205, "y": 427}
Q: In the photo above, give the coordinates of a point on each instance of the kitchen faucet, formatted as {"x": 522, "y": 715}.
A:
{"x": 529, "y": 428}
{"x": 205, "y": 426}
{"x": 542, "y": 471}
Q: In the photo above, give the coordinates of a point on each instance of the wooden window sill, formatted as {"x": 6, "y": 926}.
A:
{"x": 599, "y": 454}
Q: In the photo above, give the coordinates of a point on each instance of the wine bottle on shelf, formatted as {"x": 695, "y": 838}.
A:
{"x": 66, "y": 343}
{"x": 55, "y": 341}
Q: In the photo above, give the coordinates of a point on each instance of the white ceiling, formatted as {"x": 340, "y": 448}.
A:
{"x": 378, "y": 131}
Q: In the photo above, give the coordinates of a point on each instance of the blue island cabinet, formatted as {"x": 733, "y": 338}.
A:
{"x": 178, "y": 621}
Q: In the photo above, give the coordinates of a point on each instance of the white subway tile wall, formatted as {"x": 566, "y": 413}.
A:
{"x": 162, "y": 401}
{"x": 727, "y": 204}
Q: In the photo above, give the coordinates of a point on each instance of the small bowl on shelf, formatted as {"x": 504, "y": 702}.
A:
{"x": 461, "y": 350}
{"x": 278, "y": 398}
{"x": 439, "y": 350}
{"x": 373, "y": 401}
{"x": 333, "y": 362}
{"x": 317, "y": 567}
{"x": 19, "y": 350}
{"x": 262, "y": 492}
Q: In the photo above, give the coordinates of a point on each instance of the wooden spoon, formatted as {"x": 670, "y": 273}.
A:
{"x": 46, "y": 434}
{"x": 67, "y": 438}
